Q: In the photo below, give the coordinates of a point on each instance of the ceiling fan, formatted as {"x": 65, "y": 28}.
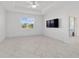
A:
{"x": 34, "y": 4}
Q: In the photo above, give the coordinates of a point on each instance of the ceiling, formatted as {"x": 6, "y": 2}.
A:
{"x": 25, "y": 5}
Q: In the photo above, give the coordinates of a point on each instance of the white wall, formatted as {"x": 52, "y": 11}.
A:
{"x": 14, "y": 26}
{"x": 62, "y": 11}
{"x": 2, "y": 24}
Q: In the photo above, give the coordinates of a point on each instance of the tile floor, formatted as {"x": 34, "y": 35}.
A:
{"x": 36, "y": 47}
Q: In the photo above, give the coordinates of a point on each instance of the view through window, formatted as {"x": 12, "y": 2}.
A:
{"x": 27, "y": 23}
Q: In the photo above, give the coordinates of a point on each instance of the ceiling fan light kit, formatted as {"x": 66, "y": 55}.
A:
{"x": 34, "y": 4}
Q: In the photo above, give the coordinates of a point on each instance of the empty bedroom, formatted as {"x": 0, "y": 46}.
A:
{"x": 39, "y": 29}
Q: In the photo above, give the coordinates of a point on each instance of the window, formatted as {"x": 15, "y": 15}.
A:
{"x": 27, "y": 23}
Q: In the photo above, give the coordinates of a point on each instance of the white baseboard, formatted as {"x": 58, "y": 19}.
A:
{"x": 23, "y": 36}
